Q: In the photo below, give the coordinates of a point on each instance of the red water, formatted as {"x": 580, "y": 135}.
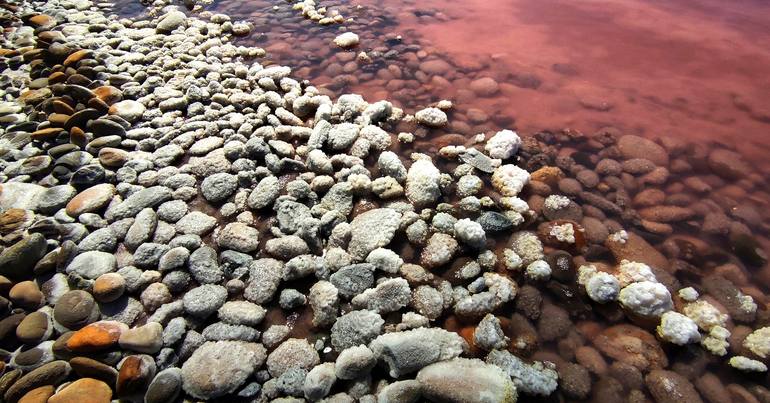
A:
{"x": 687, "y": 68}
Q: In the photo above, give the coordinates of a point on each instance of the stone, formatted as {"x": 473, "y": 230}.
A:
{"x": 670, "y": 387}
{"x": 239, "y": 237}
{"x": 76, "y": 309}
{"x": 90, "y": 368}
{"x": 91, "y": 390}
{"x": 371, "y": 230}
{"x": 20, "y": 195}
{"x": 171, "y": 21}
{"x": 165, "y": 387}
{"x": 144, "y": 339}
{"x": 388, "y": 296}
{"x": 38, "y": 395}
{"x": 354, "y": 362}
{"x": 346, "y": 40}
{"x": 90, "y": 200}
{"x": 52, "y": 373}
{"x": 147, "y": 197}
{"x": 55, "y": 198}
{"x": 219, "y": 187}
{"x": 439, "y": 250}
{"x": 422, "y": 184}
{"x": 466, "y": 380}
{"x": 354, "y": 279}
{"x": 135, "y": 374}
{"x": 292, "y": 354}
{"x": 109, "y": 287}
{"x": 411, "y": 350}
{"x": 27, "y": 295}
{"x": 631, "y": 146}
{"x": 196, "y": 223}
{"x": 98, "y": 336}
{"x": 319, "y": 381}
{"x": 35, "y": 328}
{"x": 204, "y": 300}
{"x": 18, "y": 260}
{"x": 431, "y": 117}
{"x": 92, "y": 264}
{"x": 129, "y": 110}
{"x": 538, "y": 378}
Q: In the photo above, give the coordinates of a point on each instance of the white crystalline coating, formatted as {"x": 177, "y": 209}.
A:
{"x": 422, "y": 183}
{"x": 346, "y": 40}
{"x": 716, "y": 341}
{"x": 619, "y": 237}
{"x": 515, "y": 204}
{"x": 563, "y": 233}
{"x": 707, "y": 316}
{"x": 509, "y": 179}
{"x": 503, "y": 144}
{"x": 538, "y": 270}
{"x": 678, "y": 329}
{"x": 585, "y": 272}
{"x": 688, "y": 294}
{"x": 431, "y": 117}
{"x": 602, "y": 287}
{"x": 747, "y": 364}
{"x": 511, "y": 260}
{"x": 747, "y": 303}
{"x": 470, "y": 232}
{"x": 758, "y": 342}
{"x": 633, "y": 272}
{"x": 646, "y": 298}
{"x": 556, "y": 202}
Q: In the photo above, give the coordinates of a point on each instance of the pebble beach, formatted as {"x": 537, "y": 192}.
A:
{"x": 184, "y": 219}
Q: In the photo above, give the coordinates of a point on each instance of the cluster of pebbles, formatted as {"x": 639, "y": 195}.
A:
{"x": 181, "y": 222}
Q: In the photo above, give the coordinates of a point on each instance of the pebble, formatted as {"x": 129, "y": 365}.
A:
{"x": 95, "y": 390}
{"x": 463, "y": 379}
{"x": 292, "y": 354}
{"x": 670, "y": 387}
{"x": 165, "y": 387}
{"x": 92, "y": 264}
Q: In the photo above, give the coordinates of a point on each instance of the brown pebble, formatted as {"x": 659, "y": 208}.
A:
{"x": 590, "y": 358}
{"x": 712, "y": 389}
{"x": 670, "y": 387}
{"x": 38, "y": 395}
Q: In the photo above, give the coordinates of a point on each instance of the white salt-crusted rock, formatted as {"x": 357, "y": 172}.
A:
{"x": 688, "y": 294}
{"x": 539, "y": 270}
{"x": 602, "y": 287}
{"x": 758, "y": 342}
{"x": 346, "y": 40}
{"x": 646, "y": 298}
{"x": 411, "y": 350}
{"x": 503, "y": 145}
{"x": 511, "y": 260}
{"x": 538, "y": 378}
{"x": 470, "y": 232}
{"x": 556, "y": 202}
{"x": 747, "y": 364}
{"x": 705, "y": 315}
{"x": 678, "y": 329}
{"x": 432, "y": 117}
{"x": 563, "y": 233}
{"x": 509, "y": 179}
{"x": 619, "y": 237}
{"x": 422, "y": 183}
{"x": 527, "y": 245}
{"x": 632, "y": 272}
{"x": 715, "y": 341}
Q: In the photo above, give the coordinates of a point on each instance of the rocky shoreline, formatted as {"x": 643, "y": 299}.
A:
{"x": 180, "y": 222}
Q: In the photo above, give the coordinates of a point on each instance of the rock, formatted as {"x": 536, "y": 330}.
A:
{"x": 356, "y": 328}
{"x": 509, "y": 179}
{"x": 354, "y": 362}
{"x": 440, "y": 249}
{"x": 319, "y": 381}
{"x": 646, "y": 299}
{"x": 52, "y": 373}
{"x": 634, "y": 248}
{"x": 98, "y": 336}
{"x": 292, "y": 354}
{"x": 484, "y": 87}
{"x": 219, "y": 368}
{"x": 38, "y": 395}
{"x": 241, "y": 313}
{"x": 407, "y": 391}
{"x": 388, "y": 296}
{"x": 538, "y": 378}
{"x": 728, "y": 164}
{"x": 171, "y": 21}
{"x": 76, "y": 309}
{"x": 129, "y": 110}
{"x": 371, "y": 230}
{"x": 432, "y": 117}
{"x": 89, "y": 368}
{"x": 95, "y": 390}
{"x": 55, "y": 198}
{"x": 324, "y": 300}
{"x": 346, "y": 40}
{"x": 219, "y": 187}
{"x": 92, "y": 264}
{"x": 466, "y": 380}
{"x": 265, "y": 193}
{"x": 27, "y": 295}
{"x": 239, "y": 237}
{"x": 109, "y": 287}
{"x": 18, "y": 260}
{"x": 489, "y": 334}
{"x": 148, "y": 197}
{"x": 670, "y": 387}
{"x": 678, "y": 329}
{"x": 631, "y": 345}
{"x": 422, "y": 184}
{"x": 143, "y": 339}
{"x": 20, "y": 195}
{"x": 196, "y": 223}
{"x": 354, "y": 279}
{"x": 35, "y": 328}
{"x": 409, "y": 351}
{"x": 204, "y": 300}
{"x": 90, "y": 200}
{"x": 165, "y": 387}
{"x": 574, "y": 381}
{"x": 504, "y": 144}
{"x": 203, "y": 265}
{"x": 631, "y": 146}
{"x": 135, "y": 374}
